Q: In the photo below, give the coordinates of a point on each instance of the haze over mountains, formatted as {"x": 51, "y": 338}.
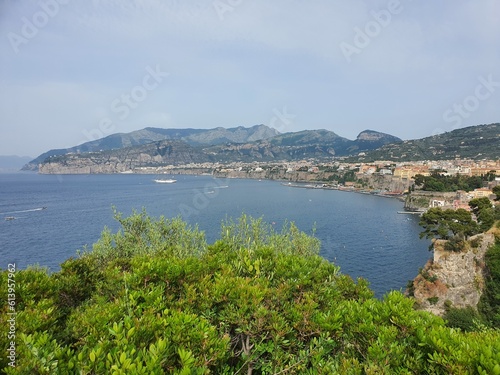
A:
{"x": 180, "y": 146}
{"x": 12, "y": 163}
{"x": 193, "y": 137}
{"x": 157, "y": 147}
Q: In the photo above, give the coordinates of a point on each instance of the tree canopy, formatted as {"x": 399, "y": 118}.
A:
{"x": 155, "y": 298}
{"x": 489, "y": 305}
{"x": 448, "y": 223}
{"x": 440, "y": 182}
{"x": 496, "y": 191}
{"x": 484, "y": 211}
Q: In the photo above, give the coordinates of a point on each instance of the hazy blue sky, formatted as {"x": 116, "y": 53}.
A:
{"x": 73, "y": 70}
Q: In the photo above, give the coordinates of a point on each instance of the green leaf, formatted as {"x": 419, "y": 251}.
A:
{"x": 130, "y": 332}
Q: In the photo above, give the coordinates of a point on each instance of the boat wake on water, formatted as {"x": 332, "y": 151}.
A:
{"x": 21, "y": 211}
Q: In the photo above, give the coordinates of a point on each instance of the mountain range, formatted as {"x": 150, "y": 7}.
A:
{"x": 151, "y": 147}
{"x": 193, "y": 137}
{"x": 157, "y": 147}
{"x": 306, "y": 144}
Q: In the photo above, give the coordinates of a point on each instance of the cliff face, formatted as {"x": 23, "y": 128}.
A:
{"x": 371, "y": 139}
{"x": 124, "y": 159}
{"x": 421, "y": 200}
{"x": 456, "y": 277}
{"x": 112, "y": 154}
{"x": 193, "y": 137}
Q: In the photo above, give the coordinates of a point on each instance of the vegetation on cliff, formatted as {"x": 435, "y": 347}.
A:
{"x": 454, "y": 225}
{"x": 440, "y": 182}
{"x": 489, "y": 305}
{"x": 156, "y": 298}
{"x": 453, "y": 229}
{"x": 447, "y": 224}
{"x": 472, "y": 142}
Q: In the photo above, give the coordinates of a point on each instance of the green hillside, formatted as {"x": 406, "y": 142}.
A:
{"x": 473, "y": 142}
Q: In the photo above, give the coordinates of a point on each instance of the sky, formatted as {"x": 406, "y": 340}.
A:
{"x": 72, "y": 71}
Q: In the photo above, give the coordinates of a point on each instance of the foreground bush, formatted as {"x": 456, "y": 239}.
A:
{"x": 489, "y": 305}
{"x": 155, "y": 298}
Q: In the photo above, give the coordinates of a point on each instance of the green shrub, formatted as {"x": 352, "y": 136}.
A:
{"x": 427, "y": 276}
{"x": 465, "y": 318}
{"x": 433, "y": 300}
{"x": 489, "y": 304}
{"x": 476, "y": 242}
{"x": 154, "y": 298}
{"x": 455, "y": 244}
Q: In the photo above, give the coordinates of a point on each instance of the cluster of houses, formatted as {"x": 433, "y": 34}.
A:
{"x": 458, "y": 199}
{"x": 387, "y": 176}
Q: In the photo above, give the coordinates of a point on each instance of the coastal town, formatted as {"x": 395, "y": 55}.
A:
{"x": 384, "y": 178}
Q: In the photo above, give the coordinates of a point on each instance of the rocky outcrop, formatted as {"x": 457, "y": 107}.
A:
{"x": 452, "y": 278}
{"x": 419, "y": 200}
{"x": 125, "y": 159}
{"x": 369, "y": 139}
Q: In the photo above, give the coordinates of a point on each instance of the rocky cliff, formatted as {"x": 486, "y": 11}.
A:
{"x": 419, "y": 200}
{"x": 193, "y": 137}
{"x": 452, "y": 278}
{"x": 317, "y": 144}
{"x": 125, "y": 159}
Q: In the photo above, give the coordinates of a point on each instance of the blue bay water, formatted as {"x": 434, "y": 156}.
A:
{"x": 362, "y": 234}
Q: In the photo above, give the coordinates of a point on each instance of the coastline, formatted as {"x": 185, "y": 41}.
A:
{"x": 325, "y": 186}
{"x": 202, "y": 197}
{"x": 300, "y": 180}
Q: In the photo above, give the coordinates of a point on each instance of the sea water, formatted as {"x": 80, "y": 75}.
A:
{"x": 55, "y": 215}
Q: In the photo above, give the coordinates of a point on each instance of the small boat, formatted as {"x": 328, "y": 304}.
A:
{"x": 8, "y": 218}
{"x": 168, "y": 181}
